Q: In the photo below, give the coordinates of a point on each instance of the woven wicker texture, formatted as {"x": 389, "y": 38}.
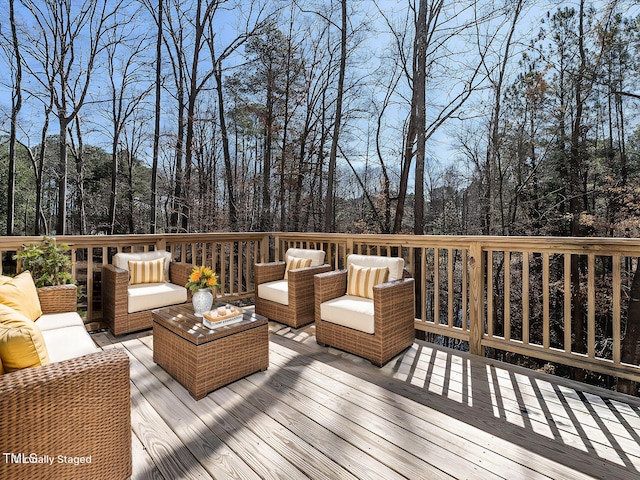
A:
{"x": 393, "y": 319}
{"x": 76, "y": 408}
{"x": 300, "y": 310}
{"x": 58, "y": 299}
{"x": 203, "y": 360}
{"x": 115, "y": 282}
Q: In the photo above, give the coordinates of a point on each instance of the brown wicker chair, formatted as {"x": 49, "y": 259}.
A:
{"x": 115, "y": 284}
{"x": 76, "y": 408}
{"x": 393, "y": 314}
{"x": 298, "y": 311}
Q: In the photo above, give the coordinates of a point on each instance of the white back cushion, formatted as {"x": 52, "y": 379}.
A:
{"x": 395, "y": 265}
{"x": 121, "y": 260}
{"x": 316, "y": 256}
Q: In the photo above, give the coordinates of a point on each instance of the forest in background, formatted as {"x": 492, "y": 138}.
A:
{"x": 506, "y": 117}
{"x": 503, "y": 117}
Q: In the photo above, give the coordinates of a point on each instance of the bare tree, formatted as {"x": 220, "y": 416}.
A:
{"x": 12, "y": 47}
{"x": 156, "y": 125}
{"x": 125, "y": 65}
{"x": 254, "y": 21}
{"x": 436, "y": 24}
{"x": 67, "y": 44}
{"x": 329, "y": 214}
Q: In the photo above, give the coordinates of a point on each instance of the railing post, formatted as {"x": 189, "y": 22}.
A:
{"x": 476, "y": 284}
{"x": 264, "y": 247}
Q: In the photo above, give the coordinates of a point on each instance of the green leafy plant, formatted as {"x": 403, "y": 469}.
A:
{"x": 49, "y": 262}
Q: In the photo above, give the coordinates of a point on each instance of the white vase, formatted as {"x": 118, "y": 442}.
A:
{"x": 202, "y": 301}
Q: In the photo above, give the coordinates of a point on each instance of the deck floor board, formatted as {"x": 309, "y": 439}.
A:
{"x": 430, "y": 413}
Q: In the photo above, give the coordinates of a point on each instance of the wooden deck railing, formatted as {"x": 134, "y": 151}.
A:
{"x": 515, "y": 294}
{"x": 232, "y": 255}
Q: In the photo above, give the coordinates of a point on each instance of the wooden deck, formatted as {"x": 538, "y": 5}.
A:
{"x": 430, "y": 413}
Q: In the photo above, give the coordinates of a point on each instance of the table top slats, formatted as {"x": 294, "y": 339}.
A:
{"x": 180, "y": 320}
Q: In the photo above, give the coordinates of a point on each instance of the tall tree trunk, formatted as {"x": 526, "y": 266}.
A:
{"x": 114, "y": 180}
{"x": 419, "y": 91}
{"x": 61, "y": 225}
{"x": 229, "y": 178}
{"x": 575, "y": 204}
{"x": 79, "y": 160}
{"x": 16, "y": 105}
{"x": 156, "y": 127}
{"x": 329, "y": 215}
{"x": 178, "y": 190}
{"x": 265, "y": 211}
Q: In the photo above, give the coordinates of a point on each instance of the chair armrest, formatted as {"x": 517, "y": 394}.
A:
{"x": 179, "y": 273}
{"x": 330, "y": 285}
{"x": 268, "y": 272}
{"x": 115, "y": 284}
{"x": 58, "y": 298}
{"x": 301, "y": 282}
{"x": 394, "y": 305}
{"x": 76, "y": 408}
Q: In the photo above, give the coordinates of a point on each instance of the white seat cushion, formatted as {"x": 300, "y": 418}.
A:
{"x": 146, "y": 296}
{"x": 349, "y": 311}
{"x": 316, "y": 256}
{"x": 277, "y": 291}
{"x": 394, "y": 264}
{"x": 68, "y": 342}
{"x": 51, "y": 321}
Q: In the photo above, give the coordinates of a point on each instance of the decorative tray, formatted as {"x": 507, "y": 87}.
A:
{"x": 224, "y": 315}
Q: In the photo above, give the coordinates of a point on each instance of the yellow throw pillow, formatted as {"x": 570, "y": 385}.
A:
{"x": 21, "y": 342}
{"x": 361, "y": 280}
{"x": 21, "y": 294}
{"x": 146, "y": 271}
{"x": 296, "y": 262}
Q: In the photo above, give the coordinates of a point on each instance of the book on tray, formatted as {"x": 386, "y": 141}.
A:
{"x": 224, "y": 315}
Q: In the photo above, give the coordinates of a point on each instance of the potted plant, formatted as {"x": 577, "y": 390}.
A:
{"x": 202, "y": 281}
{"x": 49, "y": 262}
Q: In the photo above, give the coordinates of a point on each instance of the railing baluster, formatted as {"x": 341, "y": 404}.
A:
{"x": 507, "y": 295}
{"x": 465, "y": 289}
{"x": 591, "y": 306}
{"x": 567, "y": 302}
{"x": 545, "y": 300}
{"x": 450, "y": 286}
{"x": 616, "y": 309}
{"x": 525, "y": 298}
{"x": 489, "y": 293}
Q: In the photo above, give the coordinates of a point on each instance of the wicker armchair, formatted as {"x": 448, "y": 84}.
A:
{"x": 391, "y": 328}
{"x": 115, "y": 298}
{"x": 69, "y": 410}
{"x": 296, "y": 307}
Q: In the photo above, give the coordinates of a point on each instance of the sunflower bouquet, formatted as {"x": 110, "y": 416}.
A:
{"x": 202, "y": 277}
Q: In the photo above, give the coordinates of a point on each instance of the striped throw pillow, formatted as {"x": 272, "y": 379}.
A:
{"x": 146, "y": 271}
{"x": 296, "y": 262}
{"x": 361, "y": 280}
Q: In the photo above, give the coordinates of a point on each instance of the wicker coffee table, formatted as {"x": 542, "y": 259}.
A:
{"x": 202, "y": 359}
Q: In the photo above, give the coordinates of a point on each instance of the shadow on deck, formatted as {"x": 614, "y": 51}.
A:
{"x": 431, "y": 412}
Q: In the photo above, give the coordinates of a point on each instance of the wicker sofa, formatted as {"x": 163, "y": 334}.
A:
{"x": 127, "y": 308}
{"x": 70, "y": 418}
{"x": 376, "y": 328}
